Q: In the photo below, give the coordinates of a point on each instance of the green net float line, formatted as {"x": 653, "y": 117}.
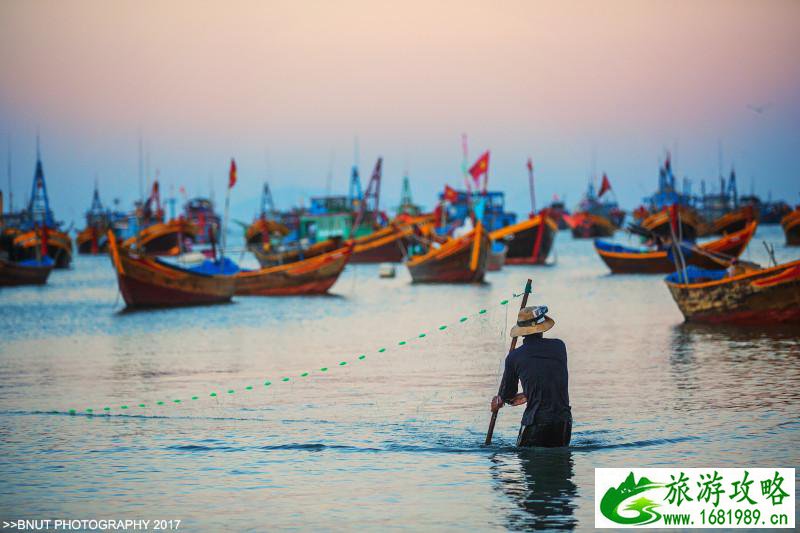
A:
{"x": 305, "y": 374}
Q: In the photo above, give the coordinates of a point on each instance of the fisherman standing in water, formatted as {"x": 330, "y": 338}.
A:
{"x": 541, "y": 365}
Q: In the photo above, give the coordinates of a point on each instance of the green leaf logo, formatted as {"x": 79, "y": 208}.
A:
{"x": 644, "y": 507}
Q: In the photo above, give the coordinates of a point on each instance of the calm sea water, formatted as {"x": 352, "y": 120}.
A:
{"x": 389, "y": 441}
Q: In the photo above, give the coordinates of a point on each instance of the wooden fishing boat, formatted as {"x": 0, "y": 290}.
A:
{"x": 163, "y": 238}
{"x": 308, "y": 276}
{"x": 497, "y": 256}
{"x": 624, "y": 260}
{"x": 386, "y": 245}
{"x": 145, "y": 281}
{"x": 588, "y": 225}
{"x": 460, "y": 260}
{"x": 691, "y": 224}
{"x": 28, "y": 272}
{"x": 529, "y": 241}
{"x": 92, "y": 240}
{"x": 732, "y": 222}
{"x": 261, "y": 230}
{"x": 58, "y": 245}
{"x": 268, "y": 258}
{"x": 791, "y": 227}
{"x": 763, "y": 296}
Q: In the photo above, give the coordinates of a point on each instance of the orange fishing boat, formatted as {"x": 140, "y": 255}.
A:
{"x": 269, "y": 258}
{"x": 146, "y": 281}
{"x": 92, "y": 240}
{"x": 58, "y": 245}
{"x": 791, "y": 227}
{"x": 711, "y": 255}
{"x": 690, "y": 227}
{"x": 28, "y": 272}
{"x": 386, "y": 245}
{"x": 259, "y": 232}
{"x": 308, "y": 276}
{"x": 529, "y": 241}
{"x": 459, "y": 260}
{"x": 756, "y": 296}
{"x": 586, "y": 225}
{"x": 732, "y": 222}
{"x": 163, "y": 238}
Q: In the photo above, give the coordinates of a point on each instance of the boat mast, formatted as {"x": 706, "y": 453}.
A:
{"x": 531, "y": 187}
{"x": 355, "y": 194}
{"x": 267, "y": 204}
{"x": 372, "y": 197}
{"x": 39, "y": 203}
{"x": 141, "y": 168}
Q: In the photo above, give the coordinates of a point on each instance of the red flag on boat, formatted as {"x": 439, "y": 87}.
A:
{"x": 604, "y": 187}
{"x": 450, "y": 194}
{"x": 480, "y": 168}
{"x": 232, "y": 178}
{"x": 530, "y": 165}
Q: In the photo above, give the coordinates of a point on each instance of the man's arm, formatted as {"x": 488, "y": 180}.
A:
{"x": 508, "y": 388}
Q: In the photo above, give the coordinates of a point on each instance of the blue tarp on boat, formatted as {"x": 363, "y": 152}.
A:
{"x": 224, "y": 267}
{"x": 44, "y": 262}
{"x": 618, "y": 248}
{"x": 695, "y": 274}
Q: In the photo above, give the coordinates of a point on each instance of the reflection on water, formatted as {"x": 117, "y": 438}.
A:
{"x": 539, "y": 482}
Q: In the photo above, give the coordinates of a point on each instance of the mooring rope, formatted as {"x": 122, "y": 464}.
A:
{"x": 124, "y": 408}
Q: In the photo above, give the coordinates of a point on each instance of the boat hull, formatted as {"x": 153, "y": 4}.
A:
{"x": 764, "y": 297}
{"x": 145, "y": 282}
{"x": 660, "y": 262}
{"x": 522, "y": 238}
{"x": 791, "y": 227}
{"x": 309, "y": 276}
{"x": 461, "y": 260}
{"x": 386, "y": 245}
{"x": 732, "y": 222}
{"x": 270, "y": 259}
{"x": 15, "y": 274}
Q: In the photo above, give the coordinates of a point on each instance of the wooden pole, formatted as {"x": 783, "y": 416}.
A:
{"x": 492, "y": 422}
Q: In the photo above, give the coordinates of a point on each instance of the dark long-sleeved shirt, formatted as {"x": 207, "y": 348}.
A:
{"x": 541, "y": 365}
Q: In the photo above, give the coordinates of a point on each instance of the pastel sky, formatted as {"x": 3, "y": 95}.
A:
{"x": 285, "y": 87}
